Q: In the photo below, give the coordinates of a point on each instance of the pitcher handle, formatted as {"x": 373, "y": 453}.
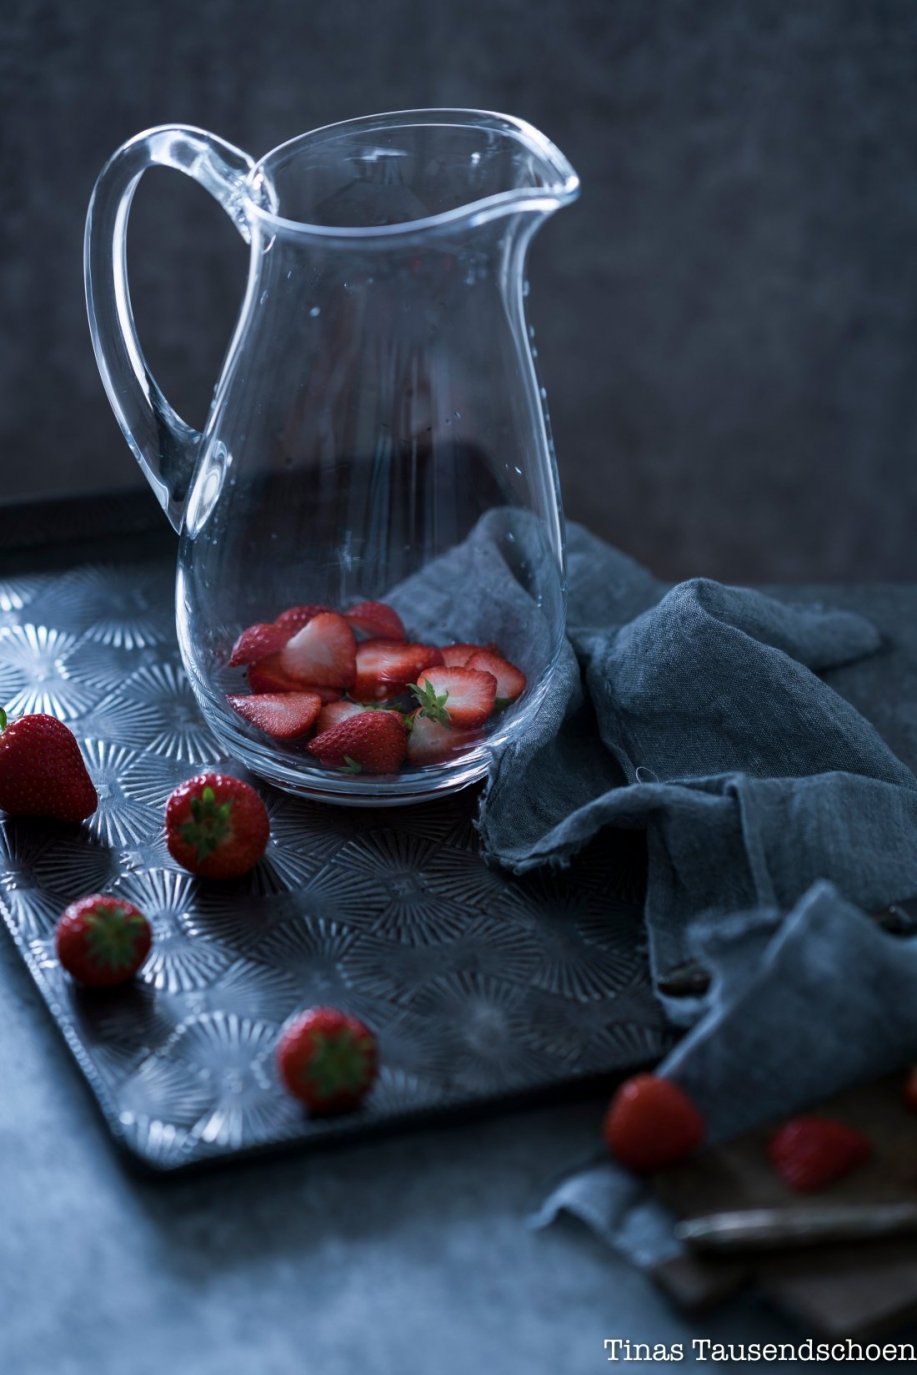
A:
{"x": 163, "y": 444}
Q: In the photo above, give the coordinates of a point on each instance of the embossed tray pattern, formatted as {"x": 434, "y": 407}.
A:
{"x": 480, "y": 986}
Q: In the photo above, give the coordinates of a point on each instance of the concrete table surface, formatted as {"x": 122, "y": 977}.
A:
{"x": 408, "y": 1254}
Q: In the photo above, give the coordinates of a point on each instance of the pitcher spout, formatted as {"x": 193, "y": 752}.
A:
{"x": 390, "y": 175}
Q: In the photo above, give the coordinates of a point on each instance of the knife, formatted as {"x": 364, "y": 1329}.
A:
{"x": 761, "y": 1229}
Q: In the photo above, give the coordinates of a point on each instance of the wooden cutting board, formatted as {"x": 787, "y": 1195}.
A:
{"x": 842, "y": 1290}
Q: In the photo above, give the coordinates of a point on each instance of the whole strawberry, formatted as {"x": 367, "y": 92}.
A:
{"x": 810, "y": 1153}
{"x": 329, "y": 1060}
{"x": 216, "y": 826}
{"x": 651, "y": 1123}
{"x": 42, "y": 771}
{"x": 102, "y": 941}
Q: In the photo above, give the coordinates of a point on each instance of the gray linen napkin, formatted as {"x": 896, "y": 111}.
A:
{"x": 774, "y": 814}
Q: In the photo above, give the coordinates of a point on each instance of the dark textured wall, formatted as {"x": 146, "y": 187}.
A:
{"x": 725, "y": 320}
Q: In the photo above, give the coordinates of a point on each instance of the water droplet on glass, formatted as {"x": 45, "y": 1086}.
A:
{"x": 517, "y": 469}
{"x": 315, "y": 312}
{"x": 263, "y": 297}
{"x": 525, "y": 287}
{"x": 543, "y": 392}
{"x": 457, "y": 414}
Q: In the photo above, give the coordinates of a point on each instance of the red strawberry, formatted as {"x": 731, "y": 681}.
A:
{"x": 323, "y": 653}
{"x": 283, "y": 715}
{"x": 430, "y": 743}
{"x": 510, "y": 679}
{"x": 328, "y": 1060}
{"x": 651, "y": 1123}
{"x": 809, "y": 1153}
{"x": 909, "y": 1092}
{"x": 101, "y": 941}
{"x": 377, "y": 620}
{"x": 42, "y": 771}
{"x": 268, "y": 676}
{"x": 295, "y": 617}
{"x": 457, "y": 656}
{"x": 456, "y": 696}
{"x": 336, "y": 712}
{"x": 373, "y": 742}
{"x": 257, "y": 642}
{"x": 386, "y": 667}
{"x": 216, "y": 826}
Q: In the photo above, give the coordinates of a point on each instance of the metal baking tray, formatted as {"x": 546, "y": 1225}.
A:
{"x": 482, "y": 988}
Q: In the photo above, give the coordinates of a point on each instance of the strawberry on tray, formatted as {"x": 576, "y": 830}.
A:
{"x": 353, "y": 692}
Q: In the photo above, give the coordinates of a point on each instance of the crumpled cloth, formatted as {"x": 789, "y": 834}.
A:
{"x": 776, "y": 819}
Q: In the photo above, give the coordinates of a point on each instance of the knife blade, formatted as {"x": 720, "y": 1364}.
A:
{"x": 760, "y": 1229}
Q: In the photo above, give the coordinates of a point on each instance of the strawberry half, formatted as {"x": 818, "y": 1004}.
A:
{"x": 322, "y": 654}
{"x": 328, "y": 1060}
{"x": 510, "y": 680}
{"x": 216, "y": 826}
{"x": 457, "y": 656}
{"x": 268, "y": 676}
{"x": 456, "y": 696}
{"x": 258, "y": 642}
{"x": 809, "y": 1153}
{"x": 42, "y": 771}
{"x": 295, "y": 617}
{"x": 282, "y": 715}
{"x": 102, "y": 941}
{"x": 377, "y": 620}
{"x": 336, "y": 712}
{"x": 384, "y": 668}
{"x": 429, "y": 742}
{"x": 371, "y": 742}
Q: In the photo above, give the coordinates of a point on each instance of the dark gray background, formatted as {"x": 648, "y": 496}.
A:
{"x": 725, "y": 320}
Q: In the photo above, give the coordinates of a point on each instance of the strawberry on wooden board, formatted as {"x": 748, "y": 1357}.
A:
{"x": 377, "y": 620}
{"x": 372, "y": 742}
{"x": 510, "y": 679}
{"x": 268, "y": 676}
{"x": 456, "y": 696}
{"x": 216, "y": 826}
{"x": 282, "y": 715}
{"x": 323, "y": 653}
{"x": 652, "y": 1123}
{"x": 258, "y": 642}
{"x": 102, "y": 941}
{"x": 328, "y": 1060}
{"x": 809, "y": 1153}
{"x": 384, "y": 668}
{"x": 42, "y": 771}
{"x": 429, "y": 742}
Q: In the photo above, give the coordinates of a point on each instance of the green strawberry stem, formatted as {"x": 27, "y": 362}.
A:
{"x": 112, "y": 936}
{"x": 2, "y": 719}
{"x": 337, "y": 1064}
{"x": 352, "y": 765}
{"x": 430, "y": 704}
{"x": 210, "y": 825}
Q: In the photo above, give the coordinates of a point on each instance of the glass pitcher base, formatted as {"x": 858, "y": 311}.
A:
{"x": 348, "y": 790}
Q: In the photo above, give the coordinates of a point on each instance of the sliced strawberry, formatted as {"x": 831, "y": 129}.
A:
{"x": 268, "y": 676}
{"x": 371, "y": 742}
{"x": 295, "y": 617}
{"x": 456, "y": 696}
{"x": 336, "y": 712}
{"x": 812, "y": 1152}
{"x": 283, "y": 715}
{"x": 431, "y": 743}
{"x": 386, "y": 667}
{"x": 322, "y": 654}
{"x": 510, "y": 680}
{"x": 258, "y": 642}
{"x": 377, "y": 620}
{"x": 457, "y": 656}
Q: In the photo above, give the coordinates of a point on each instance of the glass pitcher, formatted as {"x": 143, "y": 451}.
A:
{"x": 378, "y": 432}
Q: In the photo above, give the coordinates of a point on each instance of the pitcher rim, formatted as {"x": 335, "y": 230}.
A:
{"x": 563, "y": 188}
